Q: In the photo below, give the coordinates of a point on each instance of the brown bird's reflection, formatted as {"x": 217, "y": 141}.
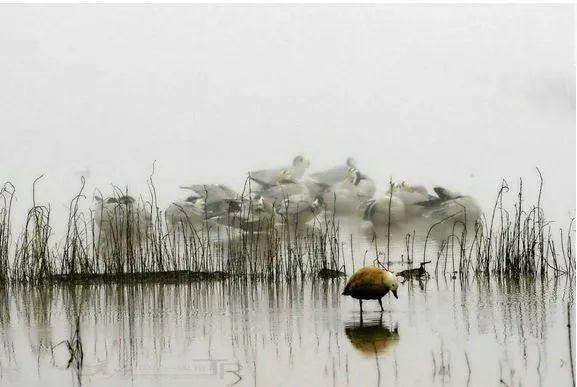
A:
{"x": 372, "y": 337}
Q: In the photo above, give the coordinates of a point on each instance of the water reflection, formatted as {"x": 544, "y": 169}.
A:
{"x": 69, "y": 354}
{"x": 300, "y": 332}
{"x": 371, "y": 337}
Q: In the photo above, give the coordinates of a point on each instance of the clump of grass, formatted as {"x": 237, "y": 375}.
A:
{"x": 6, "y": 199}
{"x": 517, "y": 242}
{"x": 32, "y": 259}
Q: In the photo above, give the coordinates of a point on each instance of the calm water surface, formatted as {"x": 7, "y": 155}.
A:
{"x": 443, "y": 331}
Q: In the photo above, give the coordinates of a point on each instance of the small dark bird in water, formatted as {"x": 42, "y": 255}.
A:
{"x": 371, "y": 283}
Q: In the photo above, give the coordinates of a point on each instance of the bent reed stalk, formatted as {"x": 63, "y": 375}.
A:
{"x": 137, "y": 243}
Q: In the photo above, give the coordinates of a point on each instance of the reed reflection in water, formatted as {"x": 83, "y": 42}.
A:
{"x": 471, "y": 332}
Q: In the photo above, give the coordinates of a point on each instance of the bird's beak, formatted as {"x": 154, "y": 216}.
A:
{"x": 394, "y": 293}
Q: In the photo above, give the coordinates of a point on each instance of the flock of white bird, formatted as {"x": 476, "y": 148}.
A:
{"x": 290, "y": 197}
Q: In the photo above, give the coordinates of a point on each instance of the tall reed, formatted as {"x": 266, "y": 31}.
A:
{"x": 32, "y": 258}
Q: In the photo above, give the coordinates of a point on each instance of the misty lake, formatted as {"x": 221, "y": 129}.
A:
{"x": 475, "y": 331}
{"x": 494, "y": 309}
{"x": 186, "y": 191}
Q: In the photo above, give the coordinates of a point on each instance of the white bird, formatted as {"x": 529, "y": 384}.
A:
{"x": 121, "y": 218}
{"x": 334, "y": 175}
{"x": 185, "y": 214}
{"x": 208, "y": 204}
{"x": 256, "y": 215}
{"x": 384, "y": 211}
{"x": 341, "y": 197}
{"x": 364, "y": 187}
{"x": 298, "y": 210}
{"x": 454, "y": 207}
{"x": 218, "y": 199}
{"x": 345, "y": 197}
{"x": 279, "y": 193}
{"x": 104, "y": 213}
{"x": 212, "y": 193}
{"x": 411, "y": 196}
{"x": 141, "y": 217}
{"x": 267, "y": 178}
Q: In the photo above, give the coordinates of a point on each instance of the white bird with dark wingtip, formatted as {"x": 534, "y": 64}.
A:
{"x": 256, "y": 215}
{"x": 451, "y": 206}
{"x": 345, "y": 197}
{"x": 185, "y": 214}
{"x": 411, "y": 196}
{"x": 218, "y": 199}
{"x": 279, "y": 193}
{"x": 298, "y": 210}
{"x": 335, "y": 174}
{"x": 267, "y": 178}
{"x": 212, "y": 193}
{"x": 384, "y": 211}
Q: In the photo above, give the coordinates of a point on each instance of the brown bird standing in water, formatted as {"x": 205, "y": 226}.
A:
{"x": 371, "y": 283}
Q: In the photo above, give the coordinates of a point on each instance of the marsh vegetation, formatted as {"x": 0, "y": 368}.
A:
{"x": 133, "y": 239}
{"x": 129, "y": 295}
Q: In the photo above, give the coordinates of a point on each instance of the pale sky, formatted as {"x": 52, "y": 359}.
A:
{"x": 454, "y": 95}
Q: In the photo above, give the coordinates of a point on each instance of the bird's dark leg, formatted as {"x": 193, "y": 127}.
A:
{"x": 361, "y": 305}
{"x": 381, "y": 304}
